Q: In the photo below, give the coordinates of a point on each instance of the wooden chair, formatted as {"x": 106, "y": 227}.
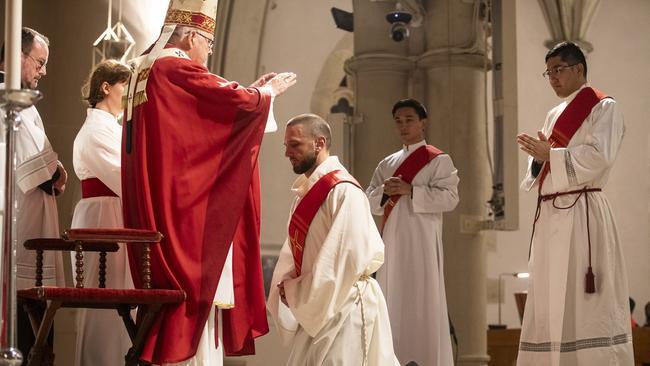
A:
{"x": 41, "y": 302}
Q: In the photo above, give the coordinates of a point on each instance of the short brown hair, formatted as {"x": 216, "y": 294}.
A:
{"x": 107, "y": 71}
{"x": 316, "y": 126}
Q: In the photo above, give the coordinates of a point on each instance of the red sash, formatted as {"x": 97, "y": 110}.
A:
{"x": 408, "y": 170}
{"x": 570, "y": 120}
{"x": 307, "y": 208}
{"x": 565, "y": 127}
{"x": 93, "y": 187}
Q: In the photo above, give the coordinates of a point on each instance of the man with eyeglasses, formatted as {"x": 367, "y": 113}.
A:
{"x": 190, "y": 170}
{"x": 577, "y": 308}
{"x": 40, "y": 177}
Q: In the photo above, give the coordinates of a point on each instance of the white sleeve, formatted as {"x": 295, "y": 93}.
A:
{"x": 36, "y": 169}
{"x": 578, "y": 164}
{"x": 271, "y": 124}
{"x": 375, "y": 190}
{"x": 440, "y": 194}
{"x": 285, "y": 322}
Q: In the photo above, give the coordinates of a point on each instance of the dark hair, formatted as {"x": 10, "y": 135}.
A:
{"x": 316, "y": 125}
{"x": 107, "y": 71}
{"x": 568, "y": 52}
{"x": 412, "y": 103}
{"x": 27, "y": 36}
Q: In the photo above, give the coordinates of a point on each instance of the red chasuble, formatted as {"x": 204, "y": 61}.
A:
{"x": 189, "y": 170}
{"x": 307, "y": 208}
{"x": 409, "y": 168}
{"x": 570, "y": 121}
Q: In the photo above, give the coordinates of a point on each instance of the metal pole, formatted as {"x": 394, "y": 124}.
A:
{"x": 13, "y": 100}
{"x": 497, "y": 201}
{"x": 9, "y": 354}
{"x": 499, "y": 294}
{"x": 12, "y": 120}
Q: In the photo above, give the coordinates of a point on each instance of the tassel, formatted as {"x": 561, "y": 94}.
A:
{"x": 590, "y": 282}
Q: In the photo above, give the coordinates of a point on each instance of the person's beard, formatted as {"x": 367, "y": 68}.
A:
{"x": 307, "y": 163}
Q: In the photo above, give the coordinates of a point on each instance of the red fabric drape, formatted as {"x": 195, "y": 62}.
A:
{"x": 189, "y": 174}
{"x": 247, "y": 320}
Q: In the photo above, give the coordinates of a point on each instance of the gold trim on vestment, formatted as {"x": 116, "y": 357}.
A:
{"x": 221, "y": 305}
{"x": 193, "y": 19}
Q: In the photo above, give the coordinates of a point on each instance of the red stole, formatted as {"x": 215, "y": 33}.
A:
{"x": 307, "y": 208}
{"x": 191, "y": 173}
{"x": 570, "y": 121}
{"x": 409, "y": 168}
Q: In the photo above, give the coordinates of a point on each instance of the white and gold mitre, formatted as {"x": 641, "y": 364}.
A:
{"x": 199, "y": 14}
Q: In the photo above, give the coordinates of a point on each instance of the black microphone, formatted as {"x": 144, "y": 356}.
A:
{"x": 384, "y": 198}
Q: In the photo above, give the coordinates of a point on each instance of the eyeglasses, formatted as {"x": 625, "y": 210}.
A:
{"x": 210, "y": 42}
{"x": 556, "y": 70}
{"x": 40, "y": 64}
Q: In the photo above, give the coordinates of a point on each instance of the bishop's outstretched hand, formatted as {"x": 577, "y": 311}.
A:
{"x": 279, "y": 83}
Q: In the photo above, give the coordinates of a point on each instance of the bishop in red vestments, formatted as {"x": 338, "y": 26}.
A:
{"x": 189, "y": 166}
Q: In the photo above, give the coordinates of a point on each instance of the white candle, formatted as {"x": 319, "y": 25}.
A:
{"x": 13, "y": 26}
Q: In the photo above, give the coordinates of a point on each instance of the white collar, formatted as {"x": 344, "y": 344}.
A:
{"x": 101, "y": 115}
{"x": 412, "y": 147}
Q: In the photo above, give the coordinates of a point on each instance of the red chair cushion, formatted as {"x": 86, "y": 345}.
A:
{"x": 62, "y": 244}
{"x": 103, "y": 295}
{"x": 119, "y": 235}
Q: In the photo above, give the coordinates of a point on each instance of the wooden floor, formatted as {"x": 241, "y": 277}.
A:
{"x": 503, "y": 345}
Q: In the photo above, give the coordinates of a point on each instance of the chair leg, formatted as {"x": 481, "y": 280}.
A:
{"x": 35, "y": 310}
{"x": 133, "y": 356}
{"x": 41, "y": 353}
{"x": 125, "y": 314}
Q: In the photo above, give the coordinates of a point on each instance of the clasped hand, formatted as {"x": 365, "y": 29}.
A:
{"x": 396, "y": 186}
{"x": 59, "y": 184}
{"x": 539, "y": 148}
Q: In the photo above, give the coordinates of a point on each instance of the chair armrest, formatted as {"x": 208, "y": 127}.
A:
{"x": 62, "y": 244}
{"x": 119, "y": 235}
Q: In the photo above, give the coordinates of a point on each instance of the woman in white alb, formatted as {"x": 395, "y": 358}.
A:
{"x": 97, "y": 163}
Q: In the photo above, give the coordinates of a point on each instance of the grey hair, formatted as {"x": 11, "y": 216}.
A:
{"x": 178, "y": 33}
{"x": 27, "y": 38}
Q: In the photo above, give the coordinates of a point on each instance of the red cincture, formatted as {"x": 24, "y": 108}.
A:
{"x": 93, "y": 187}
{"x": 565, "y": 127}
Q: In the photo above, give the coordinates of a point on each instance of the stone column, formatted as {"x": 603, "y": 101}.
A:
{"x": 568, "y": 20}
{"x": 454, "y": 63}
{"x": 380, "y": 71}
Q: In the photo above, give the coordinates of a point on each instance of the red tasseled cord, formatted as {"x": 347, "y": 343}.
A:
{"x": 590, "y": 283}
